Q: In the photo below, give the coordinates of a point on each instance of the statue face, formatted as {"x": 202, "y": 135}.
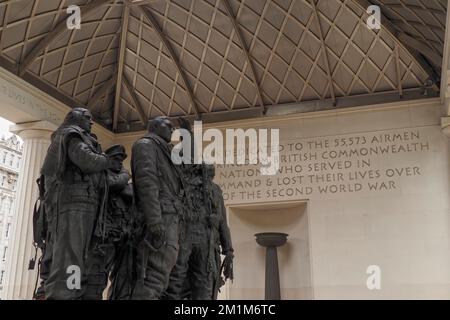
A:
{"x": 165, "y": 130}
{"x": 116, "y": 163}
{"x": 86, "y": 121}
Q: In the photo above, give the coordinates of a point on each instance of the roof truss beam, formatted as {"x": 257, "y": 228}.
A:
{"x": 121, "y": 61}
{"x": 238, "y": 33}
{"x": 324, "y": 51}
{"x": 102, "y": 91}
{"x": 419, "y": 46}
{"x": 151, "y": 19}
{"x": 140, "y": 2}
{"x": 397, "y": 70}
{"x": 135, "y": 100}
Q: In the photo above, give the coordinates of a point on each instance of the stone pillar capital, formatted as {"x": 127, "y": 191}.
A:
{"x": 34, "y": 130}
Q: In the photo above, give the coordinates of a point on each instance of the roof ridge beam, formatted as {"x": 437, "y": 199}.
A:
{"x": 137, "y": 104}
{"x": 324, "y": 52}
{"x": 151, "y": 19}
{"x": 398, "y": 72}
{"x": 120, "y": 63}
{"x": 421, "y": 47}
{"x": 238, "y": 33}
{"x": 102, "y": 91}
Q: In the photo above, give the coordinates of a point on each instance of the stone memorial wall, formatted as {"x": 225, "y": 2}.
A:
{"x": 341, "y": 165}
{"x": 375, "y": 183}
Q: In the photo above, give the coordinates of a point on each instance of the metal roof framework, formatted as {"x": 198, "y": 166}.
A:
{"x": 220, "y": 60}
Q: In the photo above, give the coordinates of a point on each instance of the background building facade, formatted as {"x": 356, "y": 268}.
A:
{"x": 10, "y": 156}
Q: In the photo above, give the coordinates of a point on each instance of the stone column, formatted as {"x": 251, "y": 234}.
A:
{"x": 20, "y": 281}
{"x": 445, "y": 126}
{"x": 272, "y": 240}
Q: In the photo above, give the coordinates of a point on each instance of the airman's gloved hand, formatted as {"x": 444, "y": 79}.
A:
{"x": 228, "y": 265}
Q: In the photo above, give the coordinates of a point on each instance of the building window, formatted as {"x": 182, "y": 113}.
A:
{"x": 11, "y": 161}
{"x": 7, "y": 207}
{"x": 2, "y": 274}
{"x": 4, "y": 157}
{"x": 10, "y": 206}
{"x": 5, "y": 250}
{"x": 8, "y": 229}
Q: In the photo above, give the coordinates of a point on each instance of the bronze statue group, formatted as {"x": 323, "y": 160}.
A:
{"x": 157, "y": 233}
